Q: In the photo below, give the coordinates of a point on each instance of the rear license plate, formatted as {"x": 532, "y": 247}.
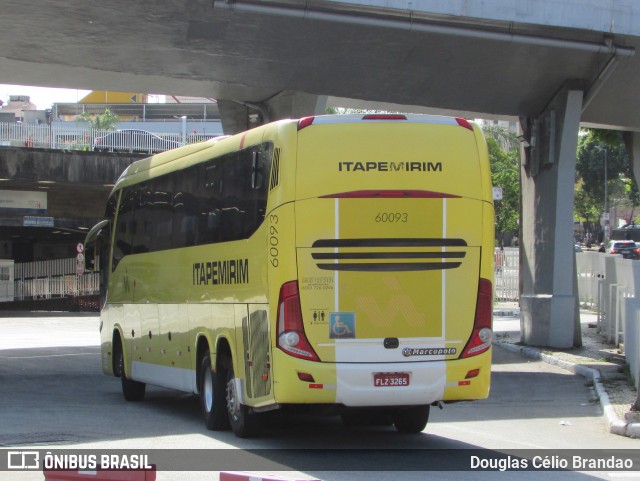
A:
{"x": 390, "y": 379}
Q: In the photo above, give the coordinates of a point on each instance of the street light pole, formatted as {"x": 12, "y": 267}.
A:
{"x": 606, "y": 235}
{"x": 606, "y": 201}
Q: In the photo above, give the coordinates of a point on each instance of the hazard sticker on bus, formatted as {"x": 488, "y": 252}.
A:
{"x": 390, "y": 379}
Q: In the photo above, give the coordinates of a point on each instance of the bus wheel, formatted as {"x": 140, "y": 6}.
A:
{"x": 212, "y": 396}
{"x": 411, "y": 420}
{"x": 243, "y": 423}
{"x": 131, "y": 390}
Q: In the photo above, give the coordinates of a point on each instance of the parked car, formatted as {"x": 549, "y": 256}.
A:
{"x": 132, "y": 140}
{"x": 627, "y": 249}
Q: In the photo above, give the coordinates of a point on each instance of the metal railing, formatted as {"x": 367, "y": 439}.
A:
{"x": 507, "y": 274}
{"x": 50, "y": 279}
{"x": 82, "y": 137}
{"x": 612, "y": 284}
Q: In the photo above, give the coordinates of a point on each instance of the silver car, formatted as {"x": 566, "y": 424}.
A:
{"x": 132, "y": 140}
{"x": 623, "y": 247}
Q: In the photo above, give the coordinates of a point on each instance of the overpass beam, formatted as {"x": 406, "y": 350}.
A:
{"x": 238, "y": 116}
{"x": 549, "y": 302}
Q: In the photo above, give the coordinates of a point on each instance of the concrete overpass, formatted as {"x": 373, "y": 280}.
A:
{"x": 77, "y": 184}
{"x": 495, "y": 57}
{"x": 554, "y": 64}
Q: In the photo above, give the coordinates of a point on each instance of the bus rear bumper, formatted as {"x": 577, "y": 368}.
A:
{"x": 382, "y": 384}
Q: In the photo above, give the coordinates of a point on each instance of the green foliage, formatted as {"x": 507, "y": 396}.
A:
{"x": 104, "y": 121}
{"x": 506, "y": 139}
{"x": 505, "y": 173}
{"x": 590, "y": 175}
{"x": 586, "y": 206}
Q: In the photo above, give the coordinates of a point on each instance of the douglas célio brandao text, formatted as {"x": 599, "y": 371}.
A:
{"x": 551, "y": 462}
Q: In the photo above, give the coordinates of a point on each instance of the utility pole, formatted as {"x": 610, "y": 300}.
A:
{"x": 606, "y": 198}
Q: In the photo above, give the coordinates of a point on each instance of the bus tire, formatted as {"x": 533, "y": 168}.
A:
{"x": 411, "y": 420}
{"x": 243, "y": 423}
{"x": 131, "y": 390}
{"x": 212, "y": 388}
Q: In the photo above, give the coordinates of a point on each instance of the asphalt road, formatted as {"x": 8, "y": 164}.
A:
{"x": 54, "y": 396}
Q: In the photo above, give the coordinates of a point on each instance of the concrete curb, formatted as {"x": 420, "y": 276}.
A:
{"x": 616, "y": 426}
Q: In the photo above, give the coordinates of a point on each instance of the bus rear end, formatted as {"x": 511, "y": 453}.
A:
{"x": 390, "y": 306}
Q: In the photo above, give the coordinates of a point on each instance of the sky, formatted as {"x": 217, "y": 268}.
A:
{"x": 43, "y": 97}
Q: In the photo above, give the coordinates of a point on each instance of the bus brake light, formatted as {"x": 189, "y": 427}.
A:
{"x": 464, "y": 123}
{"x": 482, "y": 335}
{"x": 389, "y": 194}
{"x": 384, "y": 117}
{"x": 290, "y": 334}
{"x": 305, "y": 122}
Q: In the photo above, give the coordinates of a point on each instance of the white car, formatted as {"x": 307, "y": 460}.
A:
{"x": 131, "y": 140}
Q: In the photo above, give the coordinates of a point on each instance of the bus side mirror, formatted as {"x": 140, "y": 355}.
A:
{"x": 90, "y": 255}
{"x": 92, "y": 246}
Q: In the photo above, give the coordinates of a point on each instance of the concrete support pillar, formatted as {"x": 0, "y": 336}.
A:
{"x": 238, "y": 116}
{"x": 632, "y": 144}
{"x": 548, "y": 301}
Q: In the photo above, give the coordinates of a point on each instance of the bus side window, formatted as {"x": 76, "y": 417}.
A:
{"x": 140, "y": 222}
{"x": 125, "y": 227}
{"x": 160, "y": 213}
{"x": 209, "y": 198}
{"x": 185, "y": 212}
{"x": 237, "y": 174}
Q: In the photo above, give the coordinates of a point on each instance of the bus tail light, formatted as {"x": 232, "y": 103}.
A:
{"x": 464, "y": 123}
{"x": 390, "y": 194}
{"x": 291, "y": 337}
{"x": 482, "y": 335}
{"x": 384, "y": 117}
{"x": 305, "y": 122}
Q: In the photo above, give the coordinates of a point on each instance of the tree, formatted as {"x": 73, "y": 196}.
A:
{"x": 587, "y": 208}
{"x": 104, "y": 121}
{"x": 505, "y": 173}
{"x": 506, "y": 139}
{"x": 590, "y": 177}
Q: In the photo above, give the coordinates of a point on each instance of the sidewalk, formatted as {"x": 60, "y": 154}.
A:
{"x": 601, "y": 363}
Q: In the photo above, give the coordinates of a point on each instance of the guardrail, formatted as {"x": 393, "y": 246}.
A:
{"x": 50, "y": 279}
{"x": 81, "y": 137}
{"x": 507, "y": 274}
{"x": 611, "y": 284}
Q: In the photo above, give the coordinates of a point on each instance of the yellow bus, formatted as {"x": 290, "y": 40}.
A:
{"x": 339, "y": 262}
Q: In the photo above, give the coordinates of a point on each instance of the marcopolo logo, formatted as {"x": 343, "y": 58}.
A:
{"x": 23, "y": 460}
{"x": 428, "y": 351}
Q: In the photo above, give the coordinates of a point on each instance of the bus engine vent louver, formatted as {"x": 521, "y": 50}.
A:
{"x": 275, "y": 170}
{"x": 355, "y": 255}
